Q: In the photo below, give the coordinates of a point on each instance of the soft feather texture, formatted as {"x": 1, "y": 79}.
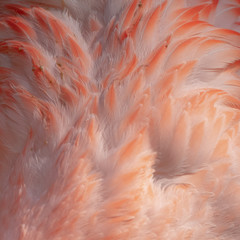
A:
{"x": 119, "y": 119}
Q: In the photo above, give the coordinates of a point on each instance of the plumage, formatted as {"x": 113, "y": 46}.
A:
{"x": 119, "y": 119}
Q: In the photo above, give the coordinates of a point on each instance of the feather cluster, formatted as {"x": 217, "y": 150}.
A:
{"x": 119, "y": 119}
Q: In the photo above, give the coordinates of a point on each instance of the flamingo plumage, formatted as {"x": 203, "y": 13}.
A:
{"x": 119, "y": 119}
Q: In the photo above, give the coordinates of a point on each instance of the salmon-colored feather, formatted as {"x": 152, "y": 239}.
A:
{"x": 130, "y": 14}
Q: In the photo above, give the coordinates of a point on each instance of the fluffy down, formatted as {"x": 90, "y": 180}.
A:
{"x": 119, "y": 119}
